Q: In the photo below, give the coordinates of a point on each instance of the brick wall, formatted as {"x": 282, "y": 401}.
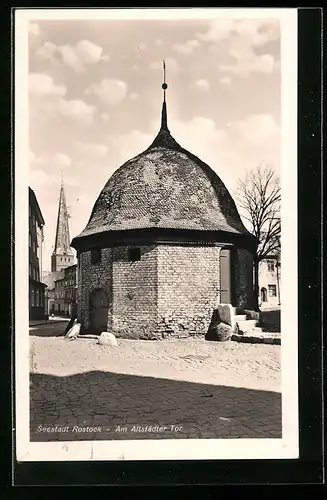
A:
{"x": 134, "y": 312}
{"x": 188, "y": 288}
{"x": 244, "y": 278}
{"x": 130, "y": 286}
{"x": 171, "y": 291}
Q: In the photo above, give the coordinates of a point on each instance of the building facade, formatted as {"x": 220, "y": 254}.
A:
{"x": 163, "y": 246}
{"x": 269, "y": 282}
{"x": 64, "y": 293}
{"x": 37, "y": 299}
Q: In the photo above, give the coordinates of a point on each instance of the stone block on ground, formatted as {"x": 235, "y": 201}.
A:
{"x": 220, "y": 332}
{"x": 107, "y": 338}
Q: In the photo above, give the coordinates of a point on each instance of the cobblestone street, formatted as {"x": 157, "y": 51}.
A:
{"x": 147, "y": 390}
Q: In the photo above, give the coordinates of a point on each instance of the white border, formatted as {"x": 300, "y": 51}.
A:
{"x": 187, "y": 449}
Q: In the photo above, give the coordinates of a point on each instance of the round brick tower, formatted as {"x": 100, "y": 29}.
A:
{"x": 163, "y": 246}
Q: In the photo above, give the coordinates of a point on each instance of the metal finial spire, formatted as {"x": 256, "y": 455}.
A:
{"x": 164, "y": 85}
{"x": 62, "y": 177}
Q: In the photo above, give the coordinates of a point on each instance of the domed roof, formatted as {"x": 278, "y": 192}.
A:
{"x": 164, "y": 187}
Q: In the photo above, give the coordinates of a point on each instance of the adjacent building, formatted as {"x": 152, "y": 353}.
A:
{"x": 163, "y": 246}
{"x": 65, "y": 292}
{"x": 269, "y": 282}
{"x": 37, "y": 299}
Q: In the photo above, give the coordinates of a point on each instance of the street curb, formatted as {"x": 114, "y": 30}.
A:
{"x": 256, "y": 340}
{"x": 50, "y": 323}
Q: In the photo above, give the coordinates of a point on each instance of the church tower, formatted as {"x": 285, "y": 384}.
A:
{"x": 62, "y": 255}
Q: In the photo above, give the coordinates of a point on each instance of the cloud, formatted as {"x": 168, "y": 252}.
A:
{"x": 171, "y": 65}
{"x": 254, "y": 31}
{"x": 202, "y": 84}
{"x": 158, "y": 42}
{"x": 110, "y": 91}
{"x": 46, "y": 51}
{"x": 105, "y": 117}
{"x": 187, "y": 47}
{"x": 134, "y": 96}
{"x": 242, "y": 39}
{"x": 47, "y": 101}
{"x": 247, "y": 62}
{"x": 91, "y": 149}
{"x": 40, "y": 84}
{"x": 82, "y": 54}
{"x": 77, "y": 110}
{"x": 225, "y": 80}
{"x": 62, "y": 160}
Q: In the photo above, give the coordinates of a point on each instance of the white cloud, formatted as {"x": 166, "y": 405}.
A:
{"x": 254, "y": 31}
{"x": 105, "y": 117}
{"x": 217, "y": 31}
{"x": 82, "y": 54}
{"x": 158, "y": 42}
{"x": 46, "y": 51}
{"x": 62, "y": 160}
{"x": 225, "y": 80}
{"x": 41, "y": 84}
{"x": 77, "y": 110}
{"x": 134, "y": 96}
{"x": 247, "y": 62}
{"x": 110, "y": 91}
{"x": 171, "y": 65}
{"x": 202, "y": 84}
{"x": 187, "y": 47}
{"x": 92, "y": 149}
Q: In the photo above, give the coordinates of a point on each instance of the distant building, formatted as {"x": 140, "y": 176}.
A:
{"x": 269, "y": 282}
{"x": 49, "y": 279}
{"x": 62, "y": 257}
{"x": 65, "y": 291}
{"x": 37, "y": 300}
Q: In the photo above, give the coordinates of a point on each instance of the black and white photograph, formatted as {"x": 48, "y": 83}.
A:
{"x": 156, "y": 235}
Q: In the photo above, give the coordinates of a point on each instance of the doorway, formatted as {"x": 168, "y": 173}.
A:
{"x": 99, "y": 307}
{"x": 225, "y": 276}
{"x": 263, "y": 294}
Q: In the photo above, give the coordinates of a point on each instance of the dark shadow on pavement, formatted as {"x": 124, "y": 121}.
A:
{"x": 109, "y": 400}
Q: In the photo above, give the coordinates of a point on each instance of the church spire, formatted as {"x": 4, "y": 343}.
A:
{"x": 62, "y": 255}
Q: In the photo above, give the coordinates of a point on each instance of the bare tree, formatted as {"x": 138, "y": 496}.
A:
{"x": 258, "y": 196}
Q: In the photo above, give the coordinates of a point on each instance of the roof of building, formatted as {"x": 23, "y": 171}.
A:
{"x": 33, "y": 202}
{"x": 164, "y": 187}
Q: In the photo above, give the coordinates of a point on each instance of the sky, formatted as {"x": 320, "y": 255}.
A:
{"x": 95, "y": 101}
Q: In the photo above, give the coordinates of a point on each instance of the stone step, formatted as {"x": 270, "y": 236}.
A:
{"x": 247, "y": 325}
{"x": 240, "y": 317}
{"x": 258, "y": 338}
